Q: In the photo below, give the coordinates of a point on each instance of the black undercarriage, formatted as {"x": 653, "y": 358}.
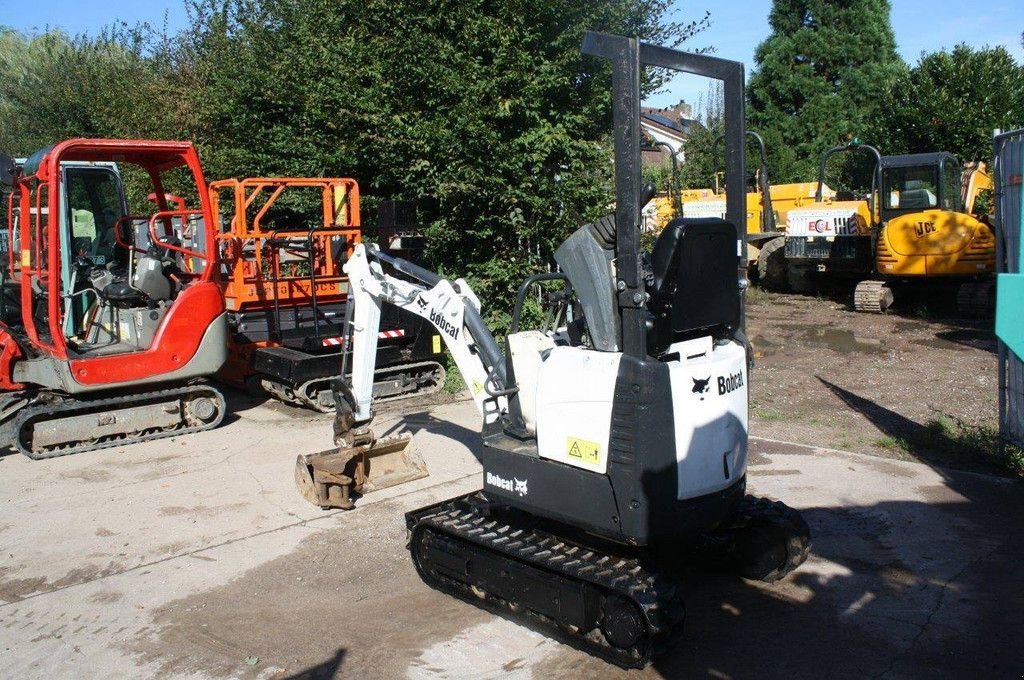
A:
{"x": 621, "y": 603}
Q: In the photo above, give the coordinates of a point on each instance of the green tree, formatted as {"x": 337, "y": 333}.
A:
{"x": 951, "y": 101}
{"x": 704, "y": 150}
{"x": 483, "y": 112}
{"x": 818, "y": 77}
{"x": 53, "y": 86}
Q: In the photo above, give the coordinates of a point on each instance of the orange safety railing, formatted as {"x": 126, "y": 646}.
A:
{"x": 264, "y": 268}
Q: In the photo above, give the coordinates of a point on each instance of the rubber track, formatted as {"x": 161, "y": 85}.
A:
{"x": 79, "y": 407}
{"x": 302, "y": 390}
{"x": 762, "y": 514}
{"x": 465, "y": 518}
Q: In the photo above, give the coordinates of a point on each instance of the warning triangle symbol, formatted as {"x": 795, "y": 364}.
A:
{"x": 575, "y": 450}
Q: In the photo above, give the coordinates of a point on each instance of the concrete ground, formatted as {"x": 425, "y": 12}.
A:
{"x": 195, "y": 558}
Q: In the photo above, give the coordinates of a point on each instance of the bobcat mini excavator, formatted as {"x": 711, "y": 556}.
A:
{"x": 614, "y": 446}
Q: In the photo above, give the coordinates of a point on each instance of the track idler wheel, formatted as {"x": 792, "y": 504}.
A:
{"x": 623, "y": 625}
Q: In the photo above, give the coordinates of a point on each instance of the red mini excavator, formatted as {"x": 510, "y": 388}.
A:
{"x": 120, "y": 319}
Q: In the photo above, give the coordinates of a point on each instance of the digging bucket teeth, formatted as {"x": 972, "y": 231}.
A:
{"x": 335, "y": 478}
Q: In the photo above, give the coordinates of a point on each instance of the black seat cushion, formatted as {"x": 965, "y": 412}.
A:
{"x": 695, "y": 287}
{"x": 120, "y": 291}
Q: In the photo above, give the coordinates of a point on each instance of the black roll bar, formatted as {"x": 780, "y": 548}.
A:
{"x": 626, "y": 55}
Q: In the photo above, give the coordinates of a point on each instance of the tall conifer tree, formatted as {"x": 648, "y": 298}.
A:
{"x": 818, "y": 77}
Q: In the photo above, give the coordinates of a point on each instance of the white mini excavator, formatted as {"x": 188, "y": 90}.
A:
{"x": 614, "y": 443}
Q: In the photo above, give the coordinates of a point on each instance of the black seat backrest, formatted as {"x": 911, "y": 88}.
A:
{"x": 695, "y": 291}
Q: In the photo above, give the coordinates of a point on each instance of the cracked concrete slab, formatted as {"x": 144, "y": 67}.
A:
{"x": 195, "y": 558}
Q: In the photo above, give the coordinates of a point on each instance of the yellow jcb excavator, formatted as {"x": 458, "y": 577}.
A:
{"x": 930, "y": 230}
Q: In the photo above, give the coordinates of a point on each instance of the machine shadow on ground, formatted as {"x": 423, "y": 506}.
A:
{"x": 892, "y": 589}
{"x": 877, "y": 598}
{"x": 980, "y": 337}
{"x": 424, "y": 421}
{"x": 322, "y": 671}
{"x": 927, "y": 443}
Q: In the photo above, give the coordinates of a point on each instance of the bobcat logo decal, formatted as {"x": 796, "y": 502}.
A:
{"x": 701, "y": 387}
{"x": 521, "y": 486}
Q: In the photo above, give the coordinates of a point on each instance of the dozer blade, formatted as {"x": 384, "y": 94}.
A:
{"x": 335, "y": 478}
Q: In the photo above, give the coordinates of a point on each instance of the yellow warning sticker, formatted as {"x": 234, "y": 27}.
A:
{"x": 582, "y": 450}
{"x": 437, "y": 344}
{"x": 26, "y": 258}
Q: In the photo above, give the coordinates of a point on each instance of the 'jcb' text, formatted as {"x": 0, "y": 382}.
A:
{"x": 437, "y": 318}
{"x": 923, "y": 228}
{"x": 733, "y": 382}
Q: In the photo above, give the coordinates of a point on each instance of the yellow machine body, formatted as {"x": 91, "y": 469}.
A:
{"x": 936, "y": 243}
{"x": 943, "y": 239}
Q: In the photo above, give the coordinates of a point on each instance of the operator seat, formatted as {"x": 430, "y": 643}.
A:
{"x": 694, "y": 289}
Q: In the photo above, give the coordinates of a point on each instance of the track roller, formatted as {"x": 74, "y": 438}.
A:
{"x": 873, "y": 296}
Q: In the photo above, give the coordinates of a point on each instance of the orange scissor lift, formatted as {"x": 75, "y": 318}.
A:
{"x": 282, "y": 243}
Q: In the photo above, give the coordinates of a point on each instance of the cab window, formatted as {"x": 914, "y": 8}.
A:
{"x": 94, "y": 207}
{"x": 951, "y": 186}
{"x": 910, "y": 188}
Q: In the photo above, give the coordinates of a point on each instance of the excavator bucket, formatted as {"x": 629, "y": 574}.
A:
{"x": 335, "y": 478}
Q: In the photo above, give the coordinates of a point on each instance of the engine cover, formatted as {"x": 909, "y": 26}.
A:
{"x": 708, "y": 395}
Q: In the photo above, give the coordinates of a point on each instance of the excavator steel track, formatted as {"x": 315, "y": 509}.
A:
{"x": 976, "y": 298}
{"x": 182, "y": 399}
{"x": 872, "y": 296}
{"x": 607, "y": 605}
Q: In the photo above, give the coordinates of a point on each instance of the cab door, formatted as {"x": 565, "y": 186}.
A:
{"x": 93, "y": 198}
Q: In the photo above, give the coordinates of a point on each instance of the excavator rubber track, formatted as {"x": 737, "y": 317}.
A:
{"x": 48, "y": 428}
{"x": 390, "y": 383}
{"x": 765, "y": 540}
{"x": 498, "y": 559}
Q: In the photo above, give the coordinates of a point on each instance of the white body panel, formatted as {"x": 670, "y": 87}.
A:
{"x": 705, "y": 208}
{"x": 709, "y": 401}
{"x": 575, "y": 387}
{"x": 575, "y": 390}
{"x": 528, "y": 350}
{"x": 822, "y": 222}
